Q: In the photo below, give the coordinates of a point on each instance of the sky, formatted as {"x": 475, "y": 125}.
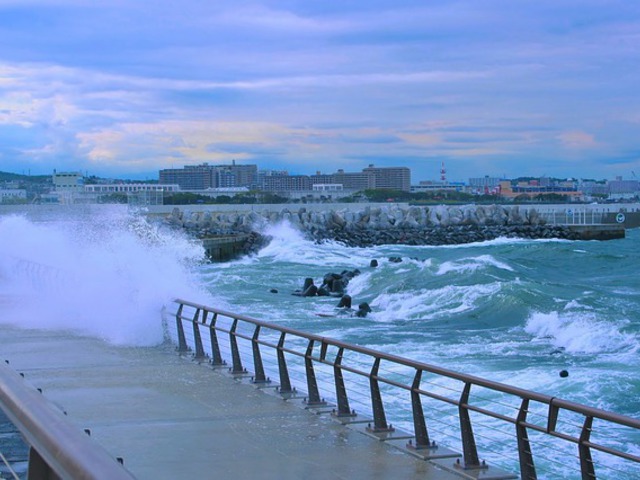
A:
{"x": 124, "y": 88}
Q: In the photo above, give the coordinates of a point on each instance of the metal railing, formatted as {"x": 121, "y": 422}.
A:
{"x": 212, "y": 334}
{"x": 57, "y": 449}
{"x": 573, "y": 216}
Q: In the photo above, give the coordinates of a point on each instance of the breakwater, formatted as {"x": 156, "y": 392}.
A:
{"x": 392, "y": 224}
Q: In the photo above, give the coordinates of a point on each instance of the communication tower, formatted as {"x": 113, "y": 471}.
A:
{"x": 443, "y": 173}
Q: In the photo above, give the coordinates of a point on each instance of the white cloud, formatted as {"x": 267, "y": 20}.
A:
{"x": 577, "y": 139}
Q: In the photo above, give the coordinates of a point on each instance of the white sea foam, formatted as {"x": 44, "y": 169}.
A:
{"x": 429, "y": 304}
{"x": 472, "y": 264}
{"x": 289, "y": 245}
{"x": 107, "y": 275}
{"x": 580, "y": 332}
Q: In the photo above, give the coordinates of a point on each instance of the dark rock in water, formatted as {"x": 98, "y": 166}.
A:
{"x": 365, "y": 306}
{"x": 345, "y": 302}
{"x": 363, "y": 309}
{"x": 395, "y": 259}
{"x": 323, "y": 292}
{"x": 307, "y": 283}
{"x": 312, "y": 291}
{"x": 338, "y": 286}
{"x": 374, "y": 263}
{"x": 274, "y": 290}
{"x": 564, "y": 373}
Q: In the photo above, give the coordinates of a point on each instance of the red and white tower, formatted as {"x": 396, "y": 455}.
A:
{"x": 443, "y": 173}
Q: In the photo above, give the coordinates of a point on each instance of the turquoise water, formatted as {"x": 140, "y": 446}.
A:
{"x": 502, "y": 309}
{"x": 513, "y": 311}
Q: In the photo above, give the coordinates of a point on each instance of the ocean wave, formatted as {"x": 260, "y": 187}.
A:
{"x": 580, "y": 332}
{"x": 428, "y": 304}
{"x": 472, "y": 264}
{"x": 108, "y": 275}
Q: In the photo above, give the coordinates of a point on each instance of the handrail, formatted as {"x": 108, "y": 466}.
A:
{"x": 197, "y": 315}
{"x": 57, "y": 448}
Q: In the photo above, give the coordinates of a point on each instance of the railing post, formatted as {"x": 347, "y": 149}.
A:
{"x": 259, "y": 376}
{"x": 197, "y": 339}
{"x": 527, "y": 467}
{"x": 38, "y": 468}
{"x": 341, "y": 392}
{"x": 419, "y": 423}
{"x": 235, "y": 353}
{"x": 379, "y": 418}
{"x": 216, "y": 356}
{"x": 182, "y": 342}
{"x": 312, "y": 385}
{"x": 469, "y": 450}
{"x": 586, "y": 463}
{"x": 285, "y": 382}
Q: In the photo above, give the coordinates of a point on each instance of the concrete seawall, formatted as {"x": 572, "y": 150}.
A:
{"x": 377, "y": 224}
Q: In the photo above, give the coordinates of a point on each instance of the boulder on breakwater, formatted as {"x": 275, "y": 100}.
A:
{"x": 375, "y": 225}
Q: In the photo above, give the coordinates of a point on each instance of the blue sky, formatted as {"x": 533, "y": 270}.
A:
{"x": 492, "y": 87}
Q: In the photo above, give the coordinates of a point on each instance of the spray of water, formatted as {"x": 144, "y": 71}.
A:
{"x": 107, "y": 275}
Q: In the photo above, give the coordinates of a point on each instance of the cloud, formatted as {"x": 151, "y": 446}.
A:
{"x": 577, "y": 140}
{"x": 125, "y": 86}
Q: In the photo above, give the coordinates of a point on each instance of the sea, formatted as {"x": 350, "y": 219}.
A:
{"x": 510, "y": 310}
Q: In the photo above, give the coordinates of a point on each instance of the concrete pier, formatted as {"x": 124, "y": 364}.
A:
{"x": 224, "y": 247}
{"x": 169, "y": 417}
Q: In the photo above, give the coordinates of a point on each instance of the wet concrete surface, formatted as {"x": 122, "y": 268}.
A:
{"x": 171, "y": 418}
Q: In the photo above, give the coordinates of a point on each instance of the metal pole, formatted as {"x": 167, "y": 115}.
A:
{"x": 285, "y": 382}
{"x": 379, "y": 418}
{"x": 312, "y": 384}
{"x": 527, "y": 467}
{"x": 259, "y": 376}
{"x": 182, "y": 343}
{"x": 235, "y": 353}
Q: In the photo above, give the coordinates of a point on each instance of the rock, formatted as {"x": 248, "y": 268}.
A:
{"x": 363, "y": 310}
{"x": 373, "y": 263}
{"x": 312, "y": 291}
{"x": 345, "y": 302}
{"x": 307, "y": 283}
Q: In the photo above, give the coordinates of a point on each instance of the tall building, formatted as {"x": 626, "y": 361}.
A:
{"x": 204, "y": 176}
{"x": 228, "y": 176}
{"x": 190, "y": 177}
{"x": 393, "y": 178}
{"x": 286, "y": 183}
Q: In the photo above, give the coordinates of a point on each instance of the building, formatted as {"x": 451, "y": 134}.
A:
{"x": 507, "y": 190}
{"x": 232, "y": 176}
{"x": 13, "y": 195}
{"x": 620, "y": 189}
{"x": 190, "y": 177}
{"x": 107, "y": 189}
{"x": 327, "y": 187}
{"x": 286, "y": 183}
{"x": 204, "y": 176}
{"x": 485, "y": 185}
{"x": 68, "y": 182}
{"x": 432, "y": 187}
{"x": 390, "y": 178}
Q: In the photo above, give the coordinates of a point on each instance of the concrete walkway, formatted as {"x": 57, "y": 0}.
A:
{"x": 170, "y": 418}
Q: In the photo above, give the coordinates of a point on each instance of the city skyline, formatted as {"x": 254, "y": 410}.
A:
{"x": 125, "y": 89}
